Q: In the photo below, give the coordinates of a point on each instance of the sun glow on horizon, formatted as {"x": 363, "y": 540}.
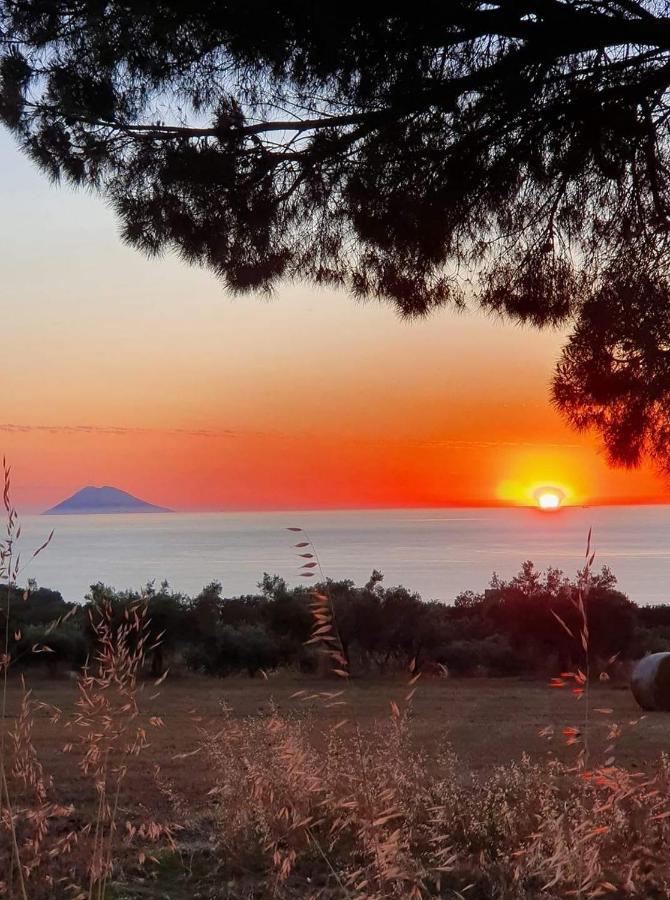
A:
{"x": 544, "y": 495}
{"x": 549, "y": 498}
{"x": 527, "y": 473}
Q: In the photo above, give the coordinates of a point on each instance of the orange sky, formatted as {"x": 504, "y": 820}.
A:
{"x": 145, "y": 375}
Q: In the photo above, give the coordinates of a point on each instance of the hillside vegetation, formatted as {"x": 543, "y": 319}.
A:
{"x": 510, "y": 629}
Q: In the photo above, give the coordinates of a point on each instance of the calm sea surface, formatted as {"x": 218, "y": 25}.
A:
{"x": 435, "y": 552}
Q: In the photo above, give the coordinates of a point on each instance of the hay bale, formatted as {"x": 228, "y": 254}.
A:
{"x": 650, "y": 682}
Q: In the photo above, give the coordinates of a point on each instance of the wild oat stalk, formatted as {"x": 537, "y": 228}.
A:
{"x": 108, "y": 729}
{"x": 10, "y": 561}
{"x": 606, "y": 787}
{"x": 108, "y": 732}
{"x": 376, "y": 811}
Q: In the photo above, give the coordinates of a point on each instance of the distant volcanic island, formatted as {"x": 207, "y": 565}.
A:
{"x": 98, "y": 500}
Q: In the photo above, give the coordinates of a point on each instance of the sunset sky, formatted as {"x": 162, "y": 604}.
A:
{"x": 145, "y": 375}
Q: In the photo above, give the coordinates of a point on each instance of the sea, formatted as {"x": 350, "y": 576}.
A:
{"x": 435, "y": 552}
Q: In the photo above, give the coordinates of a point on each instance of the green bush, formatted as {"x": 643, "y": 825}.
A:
{"x": 249, "y": 647}
{"x": 493, "y": 653}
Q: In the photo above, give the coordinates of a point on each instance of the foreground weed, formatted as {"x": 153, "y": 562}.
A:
{"x": 10, "y": 568}
{"x": 604, "y": 793}
{"x": 109, "y": 733}
{"x": 45, "y": 848}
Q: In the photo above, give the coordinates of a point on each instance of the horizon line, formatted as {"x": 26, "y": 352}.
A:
{"x": 620, "y": 502}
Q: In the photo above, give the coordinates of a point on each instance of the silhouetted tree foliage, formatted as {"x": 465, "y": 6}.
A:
{"x": 513, "y": 151}
{"x": 509, "y": 629}
{"x": 525, "y": 609}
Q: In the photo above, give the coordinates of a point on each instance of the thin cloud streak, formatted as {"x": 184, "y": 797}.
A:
{"x": 113, "y": 430}
{"x": 122, "y": 430}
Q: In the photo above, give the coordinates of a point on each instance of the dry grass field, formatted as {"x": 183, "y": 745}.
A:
{"x": 267, "y": 759}
{"x": 487, "y": 722}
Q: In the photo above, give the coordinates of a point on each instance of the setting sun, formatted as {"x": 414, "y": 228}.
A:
{"x": 549, "y": 498}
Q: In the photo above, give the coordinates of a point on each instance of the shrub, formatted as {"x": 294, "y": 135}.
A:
{"x": 493, "y": 653}
{"x": 249, "y": 647}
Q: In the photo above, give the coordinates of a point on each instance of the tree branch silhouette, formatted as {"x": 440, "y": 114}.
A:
{"x": 503, "y": 154}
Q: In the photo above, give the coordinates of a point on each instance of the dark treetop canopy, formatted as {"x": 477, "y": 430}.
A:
{"x": 512, "y": 152}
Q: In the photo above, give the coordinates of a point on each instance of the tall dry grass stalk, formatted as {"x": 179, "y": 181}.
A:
{"x": 59, "y": 846}
{"x": 605, "y": 785}
{"x": 45, "y": 855}
{"x": 10, "y": 568}
{"x": 375, "y": 809}
{"x": 296, "y": 816}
